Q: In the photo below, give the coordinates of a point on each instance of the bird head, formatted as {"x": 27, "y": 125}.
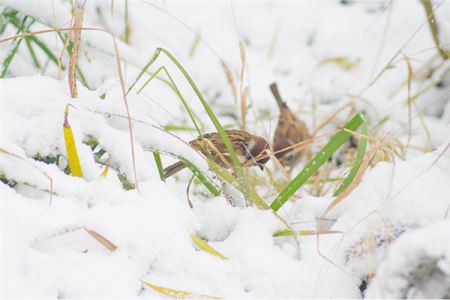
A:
{"x": 258, "y": 151}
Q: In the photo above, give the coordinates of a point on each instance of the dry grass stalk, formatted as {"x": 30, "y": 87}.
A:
{"x": 434, "y": 28}
{"x": 101, "y": 239}
{"x": 63, "y": 50}
{"x": 410, "y": 77}
{"x": 365, "y": 164}
{"x": 425, "y": 128}
{"x": 230, "y": 81}
{"x": 316, "y": 187}
{"x": 65, "y": 230}
{"x": 368, "y": 244}
{"x": 219, "y": 154}
{"x": 280, "y": 167}
{"x": 130, "y": 126}
{"x": 119, "y": 71}
{"x": 244, "y": 91}
{"x": 332, "y": 117}
{"x": 56, "y": 41}
{"x": 243, "y": 61}
{"x": 188, "y": 188}
{"x": 244, "y": 97}
{"x": 76, "y": 34}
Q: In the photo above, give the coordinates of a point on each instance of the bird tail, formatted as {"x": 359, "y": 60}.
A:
{"x": 172, "y": 169}
{"x": 276, "y": 94}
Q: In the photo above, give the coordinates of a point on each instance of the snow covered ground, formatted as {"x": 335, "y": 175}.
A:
{"x": 326, "y": 56}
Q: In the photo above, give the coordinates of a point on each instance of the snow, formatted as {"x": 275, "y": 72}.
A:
{"x": 393, "y": 224}
{"x": 401, "y": 263}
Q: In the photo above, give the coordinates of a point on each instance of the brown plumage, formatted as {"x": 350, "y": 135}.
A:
{"x": 250, "y": 149}
{"x": 290, "y": 131}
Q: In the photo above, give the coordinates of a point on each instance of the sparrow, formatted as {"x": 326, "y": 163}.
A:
{"x": 290, "y": 131}
{"x": 251, "y": 150}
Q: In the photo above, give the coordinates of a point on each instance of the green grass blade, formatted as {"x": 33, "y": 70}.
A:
{"x": 289, "y": 232}
{"x": 358, "y": 161}
{"x": 9, "y": 58}
{"x": 82, "y": 77}
{"x": 215, "y": 121}
{"x": 319, "y": 159}
{"x": 194, "y": 45}
{"x": 190, "y": 112}
{"x": 173, "y": 127}
{"x": 32, "y": 54}
{"x": 126, "y": 34}
{"x": 15, "y": 22}
{"x": 7, "y": 61}
{"x": 126, "y": 184}
{"x": 232, "y": 180}
{"x": 217, "y": 125}
{"x": 199, "y": 174}
{"x": 158, "y": 163}
{"x": 46, "y": 50}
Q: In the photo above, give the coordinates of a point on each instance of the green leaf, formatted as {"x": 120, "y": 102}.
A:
{"x": 358, "y": 161}
{"x": 229, "y": 178}
{"x": 158, "y": 163}
{"x": 319, "y": 159}
{"x": 199, "y": 174}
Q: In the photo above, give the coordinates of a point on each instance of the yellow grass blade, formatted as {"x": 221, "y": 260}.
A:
{"x": 202, "y": 245}
{"x": 341, "y": 61}
{"x": 177, "y": 294}
{"x": 71, "y": 148}
{"x": 105, "y": 171}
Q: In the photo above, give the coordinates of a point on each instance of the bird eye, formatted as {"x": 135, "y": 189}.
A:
{"x": 290, "y": 157}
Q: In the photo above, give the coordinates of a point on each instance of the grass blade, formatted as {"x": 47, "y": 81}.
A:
{"x": 229, "y": 178}
{"x": 105, "y": 171}
{"x": 32, "y": 54}
{"x": 319, "y": 159}
{"x": 428, "y": 6}
{"x": 46, "y": 50}
{"x": 177, "y": 294}
{"x": 173, "y": 127}
{"x": 217, "y": 125}
{"x": 288, "y": 232}
{"x": 12, "y": 53}
{"x": 199, "y": 174}
{"x": 127, "y": 30}
{"x": 202, "y": 245}
{"x": 194, "y": 45}
{"x": 102, "y": 240}
{"x": 358, "y": 161}
{"x": 10, "y": 57}
{"x": 71, "y": 148}
{"x": 220, "y": 130}
{"x": 158, "y": 163}
{"x": 78, "y": 23}
{"x": 190, "y": 112}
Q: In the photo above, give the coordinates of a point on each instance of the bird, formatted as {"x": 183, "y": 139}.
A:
{"x": 289, "y": 131}
{"x": 251, "y": 150}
